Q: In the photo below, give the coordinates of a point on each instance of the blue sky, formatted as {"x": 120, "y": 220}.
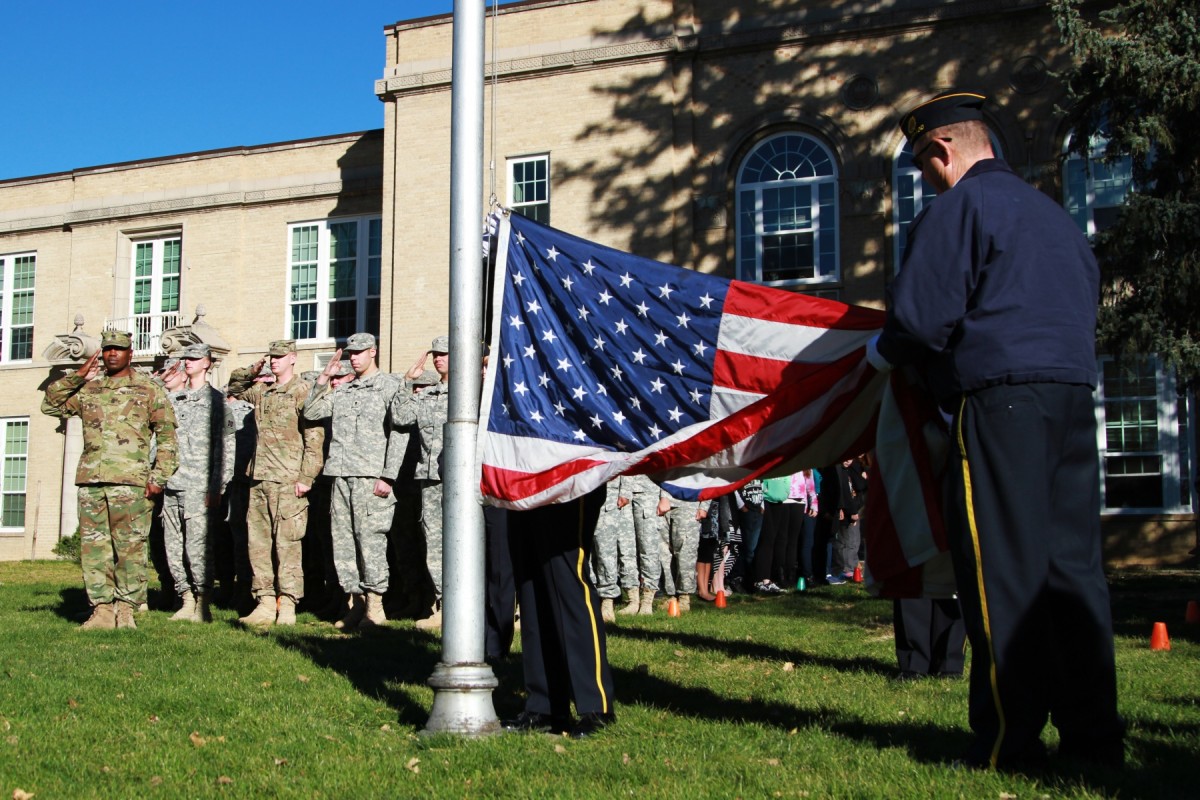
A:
{"x": 89, "y": 82}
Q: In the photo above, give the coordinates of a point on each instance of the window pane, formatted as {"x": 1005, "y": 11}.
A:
{"x": 343, "y": 318}
{"x": 787, "y": 257}
{"x": 304, "y": 321}
{"x": 143, "y": 259}
{"x": 13, "y": 514}
{"x": 171, "y": 249}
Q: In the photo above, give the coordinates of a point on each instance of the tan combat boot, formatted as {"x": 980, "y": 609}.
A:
{"x": 263, "y": 613}
{"x": 203, "y": 612}
{"x": 375, "y": 615}
{"x": 103, "y": 618}
{"x": 606, "y": 610}
{"x": 434, "y": 621}
{"x": 354, "y": 614}
{"x": 287, "y": 611}
{"x": 634, "y": 603}
{"x": 187, "y": 612}
{"x": 125, "y": 616}
{"x": 685, "y": 602}
{"x": 647, "y": 605}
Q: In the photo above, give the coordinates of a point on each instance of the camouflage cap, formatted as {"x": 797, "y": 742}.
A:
{"x": 440, "y": 345}
{"x": 427, "y": 378}
{"x": 281, "y": 347}
{"x": 359, "y": 342}
{"x": 344, "y": 368}
{"x": 121, "y": 339}
{"x": 196, "y": 350}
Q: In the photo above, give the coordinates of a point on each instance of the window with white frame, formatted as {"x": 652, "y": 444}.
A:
{"x": 1096, "y": 187}
{"x": 154, "y": 298}
{"x": 529, "y": 187}
{"x": 1145, "y": 459}
{"x": 17, "y": 274}
{"x": 12, "y": 483}
{"x": 787, "y": 216}
{"x": 334, "y": 274}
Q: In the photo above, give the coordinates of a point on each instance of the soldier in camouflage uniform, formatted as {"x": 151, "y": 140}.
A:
{"x": 614, "y": 555}
{"x": 121, "y": 412}
{"x": 365, "y": 451}
{"x": 650, "y": 536}
{"x": 681, "y": 539}
{"x": 426, "y": 411}
{"x": 287, "y": 458}
{"x": 205, "y": 436}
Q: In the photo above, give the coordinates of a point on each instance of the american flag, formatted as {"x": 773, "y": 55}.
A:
{"x": 605, "y": 363}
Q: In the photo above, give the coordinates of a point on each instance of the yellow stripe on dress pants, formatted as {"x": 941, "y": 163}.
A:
{"x": 587, "y": 600}
{"x": 987, "y": 625}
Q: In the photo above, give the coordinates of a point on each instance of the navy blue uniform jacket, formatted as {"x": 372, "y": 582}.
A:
{"x": 998, "y": 286}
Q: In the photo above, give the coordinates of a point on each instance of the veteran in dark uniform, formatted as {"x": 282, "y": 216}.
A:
{"x": 996, "y": 301}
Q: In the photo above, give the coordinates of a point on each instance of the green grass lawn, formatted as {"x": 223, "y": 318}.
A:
{"x": 777, "y": 697}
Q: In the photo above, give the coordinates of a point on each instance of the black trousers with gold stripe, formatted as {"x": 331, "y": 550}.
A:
{"x": 563, "y": 648}
{"x": 1025, "y": 537}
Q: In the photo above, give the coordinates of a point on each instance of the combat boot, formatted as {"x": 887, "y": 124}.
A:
{"x": 354, "y": 614}
{"x": 125, "y": 616}
{"x": 375, "y": 615}
{"x": 287, "y": 611}
{"x": 188, "y": 611}
{"x": 103, "y": 618}
{"x": 433, "y": 622}
{"x": 634, "y": 603}
{"x": 606, "y": 610}
{"x": 203, "y": 612}
{"x": 263, "y": 613}
{"x": 685, "y": 602}
{"x": 647, "y": 605}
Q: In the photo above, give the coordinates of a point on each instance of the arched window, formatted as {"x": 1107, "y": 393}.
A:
{"x": 1095, "y": 187}
{"x": 787, "y": 212}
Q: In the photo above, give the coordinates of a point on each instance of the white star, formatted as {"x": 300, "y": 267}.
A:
{"x": 636, "y": 403}
{"x": 520, "y": 388}
{"x": 675, "y": 414}
{"x": 626, "y": 279}
{"x": 655, "y": 431}
{"x": 616, "y": 371}
{"x": 520, "y": 237}
{"x": 515, "y": 322}
{"x": 596, "y": 421}
{"x": 549, "y": 336}
{"x": 598, "y": 343}
{"x": 621, "y": 327}
{"x": 643, "y": 309}
{"x": 518, "y": 279}
{"x": 638, "y": 356}
{"x": 583, "y": 312}
{"x": 657, "y": 386}
{"x": 660, "y": 339}
{"x": 684, "y": 319}
{"x": 604, "y": 297}
{"x": 619, "y": 417}
{"x": 552, "y": 254}
{"x": 696, "y": 396}
{"x": 536, "y": 416}
{"x": 579, "y": 392}
{"x": 563, "y": 364}
{"x": 700, "y": 347}
{"x": 580, "y": 435}
{"x": 665, "y": 290}
{"x": 601, "y": 390}
{"x": 588, "y": 266}
{"x": 560, "y": 409}
{"x": 504, "y": 408}
{"x": 533, "y": 307}
{"x": 543, "y": 380}
{"x": 678, "y": 367}
{"x": 530, "y": 351}
{"x": 508, "y": 360}
{"x": 568, "y": 283}
{"x": 706, "y": 301}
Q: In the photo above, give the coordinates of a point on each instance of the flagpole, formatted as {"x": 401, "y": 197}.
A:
{"x": 462, "y": 681}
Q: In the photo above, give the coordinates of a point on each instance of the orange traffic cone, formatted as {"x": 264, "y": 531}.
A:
{"x": 672, "y": 607}
{"x": 720, "y": 599}
{"x": 858, "y": 573}
{"x": 1193, "y": 612}
{"x": 1159, "y": 639}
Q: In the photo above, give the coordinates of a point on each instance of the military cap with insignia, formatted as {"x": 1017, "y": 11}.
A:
{"x": 359, "y": 342}
{"x": 281, "y": 347}
{"x": 196, "y": 350}
{"x": 121, "y": 339}
{"x": 946, "y": 108}
{"x": 440, "y": 345}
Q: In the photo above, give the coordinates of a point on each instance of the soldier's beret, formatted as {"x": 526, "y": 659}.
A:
{"x": 359, "y": 342}
{"x": 281, "y": 347}
{"x": 122, "y": 339}
{"x": 440, "y": 345}
{"x": 196, "y": 350}
{"x": 947, "y": 108}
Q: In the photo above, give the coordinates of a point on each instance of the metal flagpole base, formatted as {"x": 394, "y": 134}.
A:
{"x": 462, "y": 700}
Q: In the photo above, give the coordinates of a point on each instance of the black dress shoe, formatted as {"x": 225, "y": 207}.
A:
{"x": 533, "y": 722}
{"x": 590, "y": 723}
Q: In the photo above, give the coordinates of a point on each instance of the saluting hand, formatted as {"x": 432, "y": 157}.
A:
{"x": 416, "y": 369}
{"x": 90, "y": 368}
{"x": 331, "y": 368}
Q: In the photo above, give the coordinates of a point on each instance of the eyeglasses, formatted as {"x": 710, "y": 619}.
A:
{"x": 916, "y": 159}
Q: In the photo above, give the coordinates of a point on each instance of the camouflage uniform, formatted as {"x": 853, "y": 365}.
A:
{"x": 614, "y": 556}
{"x": 120, "y": 418}
{"x": 681, "y": 535}
{"x": 205, "y": 435}
{"x": 426, "y": 412}
{"x": 363, "y": 447}
{"x": 649, "y": 531}
{"x": 287, "y": 452}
